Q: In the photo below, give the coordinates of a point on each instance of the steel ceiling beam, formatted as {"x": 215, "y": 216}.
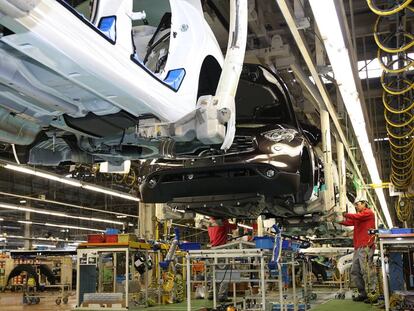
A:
{"x": 301, "y": 42}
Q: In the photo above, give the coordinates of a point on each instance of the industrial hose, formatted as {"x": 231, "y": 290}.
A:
{"x": 393, "y": 55}
{"x": 404, "y": 208}
{"x": 397, "y": 7}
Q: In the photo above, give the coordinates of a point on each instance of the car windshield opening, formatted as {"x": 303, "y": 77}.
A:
{"x": 261, "y": 104}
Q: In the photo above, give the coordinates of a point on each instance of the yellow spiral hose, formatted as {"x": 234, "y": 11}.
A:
{"x": 393, "y": 56}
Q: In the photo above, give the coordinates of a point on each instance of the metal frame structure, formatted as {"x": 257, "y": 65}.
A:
{"x": 97, "y": 250}
{"x": 391, "y": 240}
{"x": 237, "y": 249}
{"x": 226, "y": 254}
{"x": 327, "y": 251}
{"x": 325, "y": 105}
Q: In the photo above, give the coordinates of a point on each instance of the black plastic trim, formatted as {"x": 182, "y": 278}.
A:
{"x": 213, "y": 181}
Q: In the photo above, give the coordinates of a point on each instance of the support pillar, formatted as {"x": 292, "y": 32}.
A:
{"x": 327, "y": 155}
{"x": 342, "y": 175}
{"x": 260, "y": 226}
{"x": 28, "y": 232}
{"x": 146, "y": 221}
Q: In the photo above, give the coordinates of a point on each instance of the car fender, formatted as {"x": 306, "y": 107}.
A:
{"x": 285, "y": 155}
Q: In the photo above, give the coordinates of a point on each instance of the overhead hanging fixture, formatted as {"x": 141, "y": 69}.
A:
{"x": 327, "y": 19}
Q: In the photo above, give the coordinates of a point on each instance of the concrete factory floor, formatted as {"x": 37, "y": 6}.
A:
{"x": 14, "y": 302}
{"x": 344, "y": 305}
{"x": 325, "y": 302}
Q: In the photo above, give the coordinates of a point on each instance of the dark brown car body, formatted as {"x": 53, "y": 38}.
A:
{"x": 270, "y": 167}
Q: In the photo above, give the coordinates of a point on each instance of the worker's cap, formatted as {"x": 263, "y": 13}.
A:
{"x": 360, "y": 199}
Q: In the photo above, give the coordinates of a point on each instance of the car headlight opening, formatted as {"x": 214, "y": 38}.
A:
{"x": 280, "y": 135}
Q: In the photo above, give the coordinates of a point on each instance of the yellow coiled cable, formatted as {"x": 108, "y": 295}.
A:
{"x": 395, "y": 9}
{"x": 387, "y": 67}
{"x": 400, "y": 136}
{"x": 397, "y": 89}
{"x": 387, "y": 104}
{"x": 393, "y": 91}
{"x": 387, "y": 49}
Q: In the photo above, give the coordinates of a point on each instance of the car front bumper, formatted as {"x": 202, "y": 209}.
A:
{"x": 264, "y": 179}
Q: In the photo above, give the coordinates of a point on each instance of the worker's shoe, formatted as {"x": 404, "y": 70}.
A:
{"x": 223, "y": 299}
{"x": 360, "y": 298}
{"x": 371, "y": 300}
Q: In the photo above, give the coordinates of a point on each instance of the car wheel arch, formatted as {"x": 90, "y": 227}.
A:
{"x": 209, "y": 76}
{"x": 306, "y": 162}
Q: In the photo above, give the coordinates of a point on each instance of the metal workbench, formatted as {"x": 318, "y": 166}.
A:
{"x": 391, "y": 241}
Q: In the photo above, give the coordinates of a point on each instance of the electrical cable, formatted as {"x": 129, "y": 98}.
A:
{"x": 394, "y": 9}
{"x": 15, "y": 153}
{"x": 404, "y": 208}
{"x": 387, "y": 67}
{"x": 387, "y": 104}
{"x": 393, "y": 56}
{"x": 382, "y": 42}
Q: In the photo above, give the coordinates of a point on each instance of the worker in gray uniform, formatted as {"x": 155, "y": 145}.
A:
{"x": 363, "y": 220}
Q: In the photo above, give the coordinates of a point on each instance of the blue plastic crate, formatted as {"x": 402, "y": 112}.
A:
{"x": 290, "y": 245}
{"x": 303, "y": 307}
{"x": 401, "y": 230}
{"x": 189, "y": 246}
{"x": 286, "y": 245}
{"x": 290, "y": 307}
{"x": 276, "y": 307}
{"x": 295, "y": 246}
{"x": 384, "y": 231}
{"x": 111, "y": 231}
{"x": 264, "y": 242}
{"x": 120, "y": 278}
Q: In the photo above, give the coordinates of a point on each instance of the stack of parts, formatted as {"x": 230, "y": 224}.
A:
{"x": 111, "y": 300}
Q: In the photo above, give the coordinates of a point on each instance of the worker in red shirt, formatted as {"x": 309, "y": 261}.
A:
{"x": 218, "y": 231}
{"x": 361, "y": 274}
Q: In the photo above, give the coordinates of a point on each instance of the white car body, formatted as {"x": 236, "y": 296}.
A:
{"x": 57, "y": 65}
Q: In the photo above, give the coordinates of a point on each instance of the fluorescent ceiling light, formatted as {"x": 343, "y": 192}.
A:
{"x": 68, "y": 181}
{"x": 44, "y": 245}
{"x": 58, "y": 214}
{"x": 31, "y": 171}
{"x": 1, "y": 219}
{"x": 110, "y": 192}
{"x": 20, "y": 237}
{"x": 328, "y": 23}
{"x": 47, "y": 224}
{"x": 71, "y": 227}
{"x": 241, "y": 225}
{"x": 381, "y": 139}
{"x": 245, "y": 226}
{"x": 66, "y": 204}
{"x": 22, "y": 201}
{"x": 386, "y": 138}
